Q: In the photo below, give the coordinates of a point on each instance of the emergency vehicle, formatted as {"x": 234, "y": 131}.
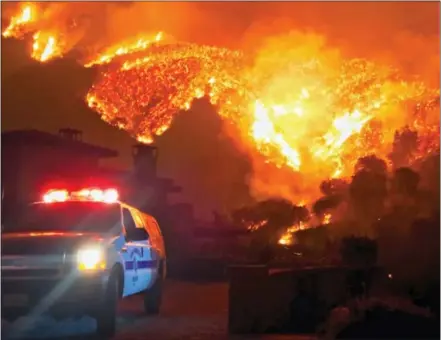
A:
{"x": 77, "y": 253}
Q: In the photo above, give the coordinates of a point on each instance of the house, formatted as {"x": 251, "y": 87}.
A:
{"x": 34, "y": 160}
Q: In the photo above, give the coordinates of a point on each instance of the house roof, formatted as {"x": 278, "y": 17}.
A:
{"x": 35, "y": 137}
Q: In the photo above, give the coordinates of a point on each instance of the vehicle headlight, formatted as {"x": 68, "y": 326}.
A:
{"x": 91, "y": 259}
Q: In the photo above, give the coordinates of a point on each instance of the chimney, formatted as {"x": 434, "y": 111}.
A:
{"x": 145, "y": 162}
{"x": 71, "y": 134}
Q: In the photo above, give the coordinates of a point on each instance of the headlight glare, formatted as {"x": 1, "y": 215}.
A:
{"x": 91, "y": 259}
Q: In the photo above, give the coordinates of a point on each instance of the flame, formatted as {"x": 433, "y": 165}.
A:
{"x": 124, "y": 49}
{"x": 45, "y": 47}
{"x": 327, "y": 219}
{"x": 170, "y": 72}
{"x": 256, "y": 225}
{"x": 296, "y": 104}
{"x": 287, "y": 237}
{"x": 264, "y": 132}
{"x": 27, "y": 14}
{"x": 311, "y": 119}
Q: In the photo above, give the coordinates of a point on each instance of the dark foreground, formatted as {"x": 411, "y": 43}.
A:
{"x": 190, "y": 311}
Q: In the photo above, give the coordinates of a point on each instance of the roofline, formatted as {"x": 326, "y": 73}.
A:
{"x": 53, "y": 139}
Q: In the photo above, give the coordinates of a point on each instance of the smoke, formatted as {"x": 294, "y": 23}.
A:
{"x": 405, "y": 34}
{"x": 402, "y": 34}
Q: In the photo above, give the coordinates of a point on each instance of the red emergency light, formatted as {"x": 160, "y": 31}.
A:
{"x": 92, "y": 194}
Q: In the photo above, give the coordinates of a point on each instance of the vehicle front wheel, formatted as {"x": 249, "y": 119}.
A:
{"x": 153, "y": 297}
{"x": 106, "y": 314}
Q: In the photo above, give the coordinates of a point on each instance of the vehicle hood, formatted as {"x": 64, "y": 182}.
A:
{"x": 45, "y": 243}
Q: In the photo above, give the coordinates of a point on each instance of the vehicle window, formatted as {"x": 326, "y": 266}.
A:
{"x": 68, "y": 216}
{"x": 132, "y": 232}
{"x": 141, "y": 221}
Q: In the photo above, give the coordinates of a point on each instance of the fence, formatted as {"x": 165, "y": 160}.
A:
{"x": 264, "y": 300}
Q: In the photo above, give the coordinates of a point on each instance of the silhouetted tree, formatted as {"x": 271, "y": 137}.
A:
{"x": 334, "y": 192}
{"x": 333, "y": 187}
{"x": 405, "y": 181}
{"x": 371, "y": 164}
{"x": 430, "y": 171}
{"x": 272, "y": 217}
{"x": 278, "y": 213}
{"x": 325, "y": 204}
{"x": 368, "y": 190}
{"x": 404, "y": 146}
{"x": 429, "y": 193}
{"x": 246, "y": 216}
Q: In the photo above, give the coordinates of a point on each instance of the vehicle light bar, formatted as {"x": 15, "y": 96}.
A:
{"x": 93, "y": 195}
{"x": 56, "y": 196}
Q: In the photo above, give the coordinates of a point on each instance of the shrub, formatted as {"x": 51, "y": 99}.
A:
{"x": 358, "y": 251}
{"x": 375, "y": 319}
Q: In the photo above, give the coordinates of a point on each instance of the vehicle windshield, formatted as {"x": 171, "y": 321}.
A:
{"x": 67, "y": 216}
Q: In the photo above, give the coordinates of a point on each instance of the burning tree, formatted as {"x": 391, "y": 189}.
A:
{"x": 309, "y": 112}
{"x": 334, "y": 193}
{"x": 404, "y": 148}
{"x": 268, "y": 220}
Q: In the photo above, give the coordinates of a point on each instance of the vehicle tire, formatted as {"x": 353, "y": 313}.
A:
{"x": 106, "y": 315}
{"x": 153, "y": 296}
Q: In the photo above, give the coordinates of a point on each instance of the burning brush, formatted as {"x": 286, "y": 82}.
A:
{"x": 302, "y": 107}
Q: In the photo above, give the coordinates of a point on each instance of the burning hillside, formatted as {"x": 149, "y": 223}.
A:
{"x": 297, "y": 105}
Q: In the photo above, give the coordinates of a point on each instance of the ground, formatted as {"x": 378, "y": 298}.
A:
{"x": 193, "y": 311}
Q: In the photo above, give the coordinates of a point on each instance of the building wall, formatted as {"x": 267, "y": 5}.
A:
{"x": 10, "y": 173}
{"x": 35, "y": 167}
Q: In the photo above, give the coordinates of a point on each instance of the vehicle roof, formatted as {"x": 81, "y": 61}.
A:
{"x": 75, "y": 201}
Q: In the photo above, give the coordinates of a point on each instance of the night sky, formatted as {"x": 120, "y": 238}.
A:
{"x": 194, "y": 151}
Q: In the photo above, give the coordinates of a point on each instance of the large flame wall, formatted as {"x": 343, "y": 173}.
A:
{"x": 296, "y": 103}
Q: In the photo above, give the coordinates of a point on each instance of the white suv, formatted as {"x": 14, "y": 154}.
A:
{"x": 77, "y": 253}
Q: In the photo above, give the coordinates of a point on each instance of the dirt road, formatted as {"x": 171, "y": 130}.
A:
{"x": 190, "y": 311}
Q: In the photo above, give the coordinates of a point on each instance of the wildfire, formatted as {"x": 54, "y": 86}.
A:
{"x": 45, "y": 47}
{"x": 26, "y": 15}
{"x": 124, "y": 49}
{"x": 327, "y": 219}
{"x": 303, "y": 107}
{"x": 287, "y": 237}
{"x": 309, "y": 118}
{"x": 257, "y": 225}
{"x": 164, "y": 82}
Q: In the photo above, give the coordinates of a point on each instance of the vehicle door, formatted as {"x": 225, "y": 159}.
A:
{"x": 127, "y": 261}
{"x": 156, "y": 240}
{"x": 137, "y": 254}
{"x": 148, "y": 267}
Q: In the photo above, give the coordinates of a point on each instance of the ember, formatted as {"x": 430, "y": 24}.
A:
{"x": 297, "y": 102}
{"x": 305, "y": 116}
